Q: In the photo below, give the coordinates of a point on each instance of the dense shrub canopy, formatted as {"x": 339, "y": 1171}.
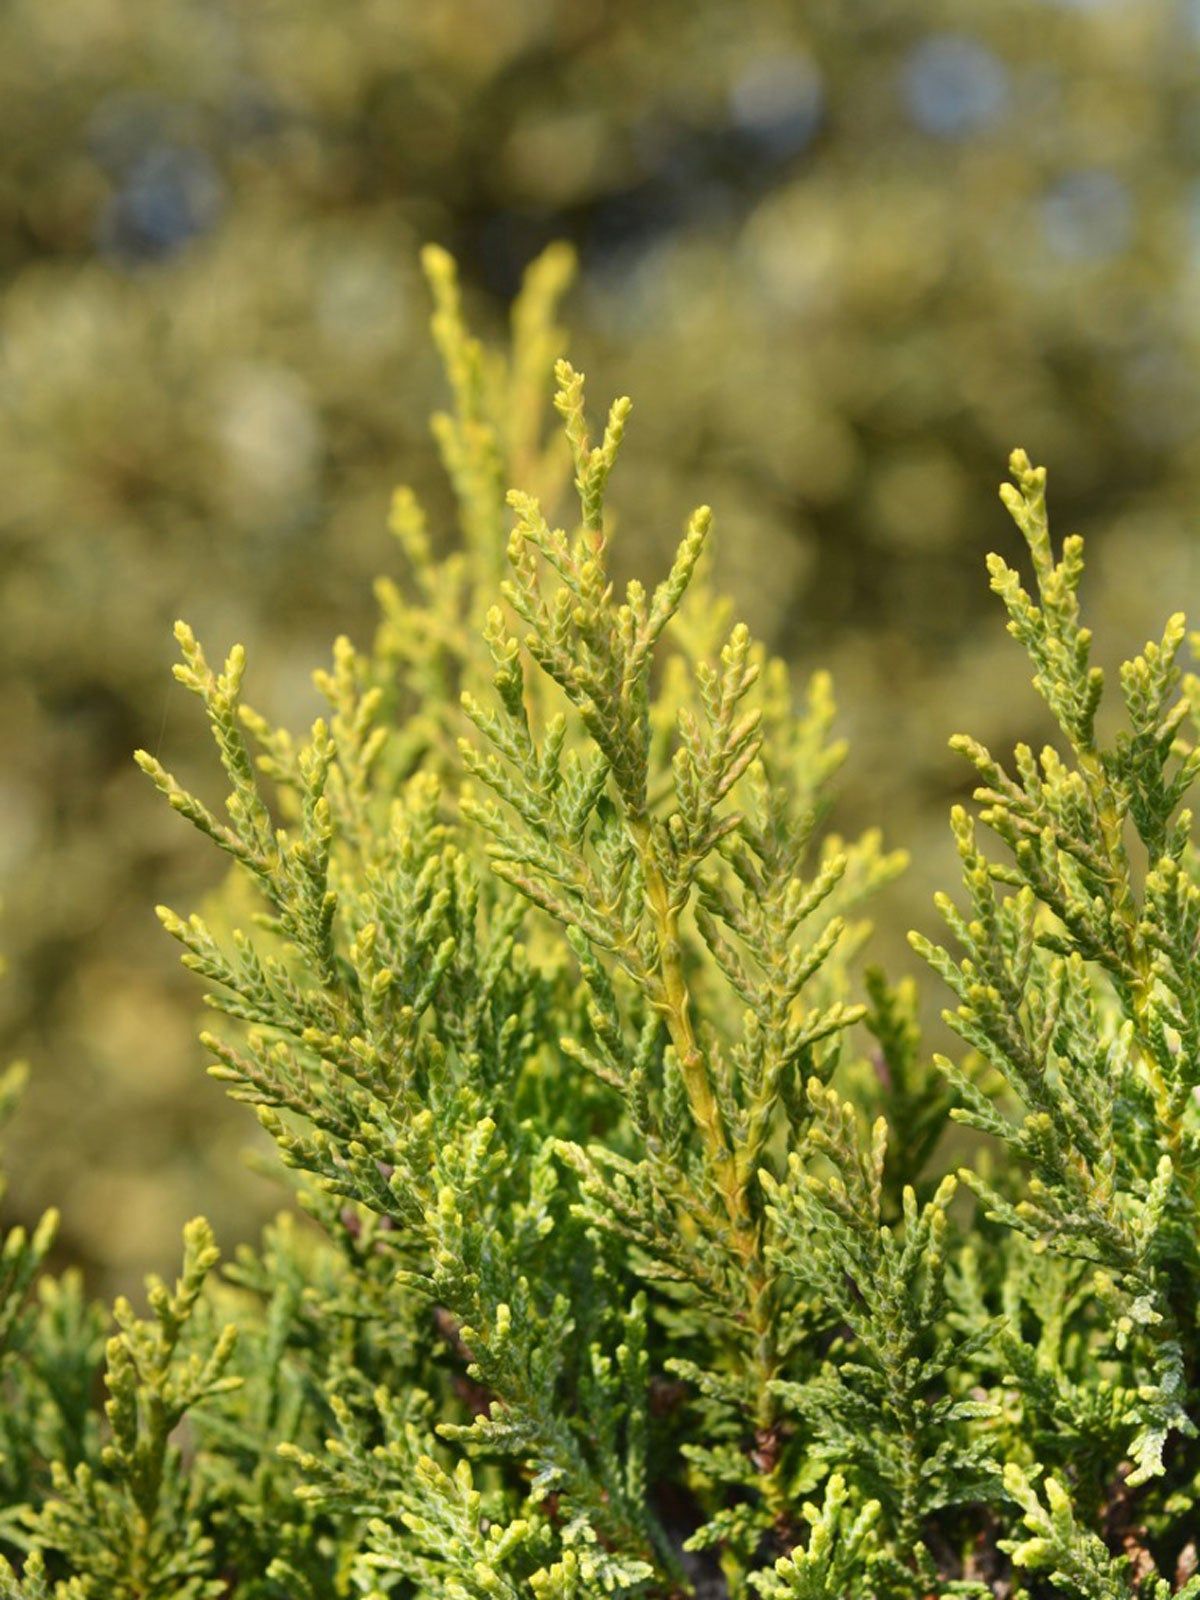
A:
{"x": 631, "y": 1263}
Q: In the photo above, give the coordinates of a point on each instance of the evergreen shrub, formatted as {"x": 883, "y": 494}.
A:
{"x": 626, "y": 1261}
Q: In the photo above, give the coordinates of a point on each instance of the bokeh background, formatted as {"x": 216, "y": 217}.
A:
{"x": 842, "y": 256}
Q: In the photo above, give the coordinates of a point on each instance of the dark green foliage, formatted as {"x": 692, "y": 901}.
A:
{"x": 611, "y": 1279}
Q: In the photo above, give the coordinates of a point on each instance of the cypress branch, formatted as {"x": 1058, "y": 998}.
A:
{"x": 621, "y": 1260}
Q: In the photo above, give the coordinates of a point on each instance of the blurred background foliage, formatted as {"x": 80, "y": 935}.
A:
{"x": 842, "y": 256}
